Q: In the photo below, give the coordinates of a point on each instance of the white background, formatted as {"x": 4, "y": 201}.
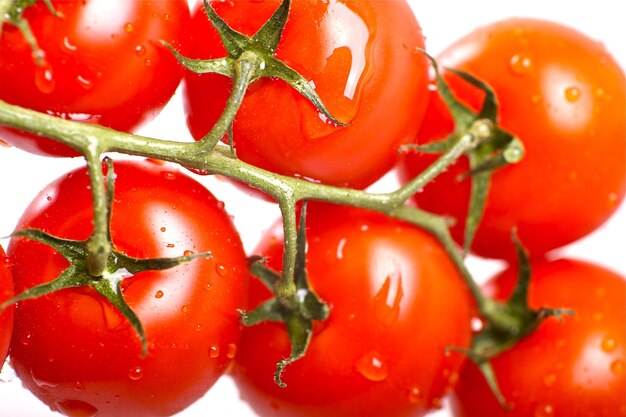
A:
{"x": 22, "y": 175}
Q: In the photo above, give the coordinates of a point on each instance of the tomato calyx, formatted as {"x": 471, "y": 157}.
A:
{"x": 249, "y": 59}
{"x": 493, "y": 147}
{"x": 506, "y": 323}
{"x": 12, "y": 12}
{"x": 109, "y": 281}
{"x": 297, "y": 311}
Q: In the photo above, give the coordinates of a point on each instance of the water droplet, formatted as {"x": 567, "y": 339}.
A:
{"x": 609, "y": 344}
{"x": 214, "y": 352}
{"x": 76, "y": 408}
{"x": 42, "y": 382}
{"x": 231, "y": 350}
{"x": 340, "y": 246}
{"x": 520, "y": 64}
{"x": 128, "y": 27}
{"x": 364, "y": 228}
{"x": 44, "y": 78}
{"x": 163, "y": 229}
{"x": 166, "y": 17}
{"x": 477, "y": 324}
{"x": 185, "y": 309}
{"x": 436, "y": 403}
{"x": 140, "y": 50}
{"x": 67, "y": 45}
{"x": 49, "y": 198}
{"x": 617, "y": 367}
{"x": 221, "y": 270}
{"x": 26, "y": 338}
{"x": 572, "y": 94}
{"x": 86, "y": 83}
{"x": 549, "y": 380}
{"x": 147, "y": 62}
{"x": 170, "y": 245}
{"x": 168, "y": 175}
{"x": 198, "y": 327}
{"x": 188, "y": 253}
{"x": 415, "y": 395}
{"x": 544, "y": 410}
{"x": 159, "y": 294}
{"x": 135, "y": 373}
{"x": 209, "y": 287}
{"x": 453, "y": 378}
{"x": 79, "y": 386}
{"x": 372, "y": 367}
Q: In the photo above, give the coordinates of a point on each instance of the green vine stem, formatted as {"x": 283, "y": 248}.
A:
{"x": 286, "y": 190}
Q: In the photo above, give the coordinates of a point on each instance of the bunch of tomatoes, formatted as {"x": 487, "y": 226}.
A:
{"x": 402, "y": 311}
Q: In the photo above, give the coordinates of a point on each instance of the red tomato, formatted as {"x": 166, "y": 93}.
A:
{"x": 572, "y": 368}
{"x": 79, "y": 355}
{"x": 563, "y": 95}
{"x": 6, "y": 317}
{"x": 396, "y": 303}
{"x": 102, "y": 64}
{"x": 360, "y": 55}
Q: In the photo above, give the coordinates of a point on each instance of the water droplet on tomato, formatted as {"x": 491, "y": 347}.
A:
{"x": 617, "y": 367}
{"x": 198, "y": 328}
{"x": 477, "y": 324}
{"x": 214, "y": 352}
{"x": 170, "y": 245}
{"x": 147, "y": 62}
{"x": 572, "y": 94}
{"x": 168, "y": 175}
{"x": 544, "y": 410}
{"x": 436, "y": 403}
{"x": 386, "y": 302}
{"x": 140, "y": 50}
{"x": 128, "y": 27}
{"x": 453, "y": 378}
{"x": 185, "y": 309}
{"x": 221, "y": 270}
{"x": 79, "y": 386}
{"x": 135, "y": 373}
{"x": 44, "y": 78}
{"x": 372, "y": 367}
{"x": 163, "y": 229}
{"x": 188, "y": 253}
{"x": 166, "y": 17}
{"x": 609, "y": 344}
{"x": 84, "y": 82}
{"x": 231, "y": 350}
{"x": 42, "y": 382}
{"x": 26, "y": 339}
{"x": 76, "y": 408}
{"x": 340, "y": 246}
{"x": 415, "y": 395}
{"x": 67, "y": 45}
{"x": 159, "y": 294}
{"x": 520, "y": 64}
{"x": 549, "y": 380}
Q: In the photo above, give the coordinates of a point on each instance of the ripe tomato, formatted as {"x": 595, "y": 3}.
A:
{"x": 79, "y": 355}
{"x": 563, "y": 95}
{"x": 572, "y": 368}
{"x": 102, "y": 64}
{"x": 360, "y": 55}
{"x": 396, "y": 303}
{"x": 6, "y": 317}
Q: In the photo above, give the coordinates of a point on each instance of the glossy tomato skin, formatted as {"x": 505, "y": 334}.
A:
{"x": 79, "y": 355}
{"x": 6, "y": 317}
{"x": 563, "y": 95}
{"x": 573, "y": 368}
{"x": 102, "y": 64}
{"x": 396, "y": 303}
{"x": 360, "y": 55}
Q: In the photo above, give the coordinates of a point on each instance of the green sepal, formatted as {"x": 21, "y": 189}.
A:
{"x": 262, "y": 45}
{"x": 119, "y": 267}
{"x": 298, "y": 311}
{"x": 508, "y": 322}
{"x": 300, "y": 332}
{"x": 234, "y": 42}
